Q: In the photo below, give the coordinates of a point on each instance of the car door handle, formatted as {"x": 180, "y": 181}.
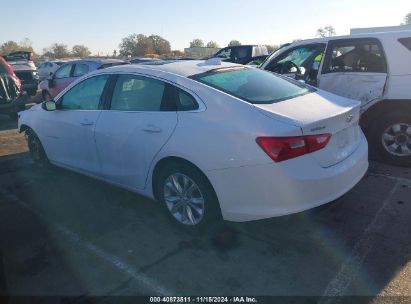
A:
{"x": 152, "y": 129}
{"x": 87, "y": 123}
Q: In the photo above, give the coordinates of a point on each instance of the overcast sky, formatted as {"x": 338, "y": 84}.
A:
{"x": 100, "y": 25}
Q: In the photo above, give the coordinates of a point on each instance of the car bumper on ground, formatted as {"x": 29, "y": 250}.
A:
{"x": 264, "y": 191}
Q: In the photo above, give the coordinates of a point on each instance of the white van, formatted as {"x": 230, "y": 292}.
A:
{"x": 373, "y": 67}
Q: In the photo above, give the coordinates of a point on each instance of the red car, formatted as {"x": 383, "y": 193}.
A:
{"x": 12, "y": 98}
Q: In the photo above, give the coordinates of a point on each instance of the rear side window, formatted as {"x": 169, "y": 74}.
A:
{"x": 184, "y": 101}
{"x": 80, "y": 69}
{"x": 406, "y": 42}
{"x": 356, "y": 56}
{"x": 63, "y": 72}
{"x": 253, "y": 85}
{"x": 137, "y": 93}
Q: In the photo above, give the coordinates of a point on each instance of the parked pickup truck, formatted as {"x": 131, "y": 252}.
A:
{"x": 243, "y": 54}
{"x": 12, "y": 98}
{"x": 25, "y": 70}
{"x": 370, "y": 65}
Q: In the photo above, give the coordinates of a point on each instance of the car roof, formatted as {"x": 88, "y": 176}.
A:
{"x": 100, "y": 61}
{"x": 182, "y": 68}
{"x": 359, "y": 35}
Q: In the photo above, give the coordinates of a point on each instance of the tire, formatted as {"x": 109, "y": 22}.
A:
{"x": 197, "y": 203}
{"x": 391, "y": 138}
{"x": 46, "y": 95}
{"x": 36, "y": 150}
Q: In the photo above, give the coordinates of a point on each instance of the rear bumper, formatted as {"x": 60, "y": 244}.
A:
{"x": 264, "y": 191}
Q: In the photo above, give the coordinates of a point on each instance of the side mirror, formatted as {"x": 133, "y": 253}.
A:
{"x": 49, "y": 105}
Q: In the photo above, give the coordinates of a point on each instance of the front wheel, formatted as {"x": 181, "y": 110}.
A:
{"x": 188, "y": 196}
{"x": 391, "y": 137}
{"x": 36, "y": 150}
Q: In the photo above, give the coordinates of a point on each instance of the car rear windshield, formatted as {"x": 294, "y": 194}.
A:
{"x": 253, "y": 85}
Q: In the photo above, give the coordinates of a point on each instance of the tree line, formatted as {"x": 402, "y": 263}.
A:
{"x": 139, "y": 45}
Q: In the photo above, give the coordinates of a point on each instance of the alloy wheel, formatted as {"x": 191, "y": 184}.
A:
{"x": 396, "y": 139}
{"x": 184, "y": 199}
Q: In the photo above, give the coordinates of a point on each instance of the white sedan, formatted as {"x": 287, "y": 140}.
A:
{"x": 204, "y": 138}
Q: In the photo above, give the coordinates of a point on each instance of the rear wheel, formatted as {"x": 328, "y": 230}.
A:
{"x": 37, "y": 153}
{"x": 391, "y": 137}
{"x": 187, "y": 196}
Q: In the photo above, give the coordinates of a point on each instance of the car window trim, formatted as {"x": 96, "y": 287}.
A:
{"x": 331, "y": 43}
{"x": 200, "y": 104}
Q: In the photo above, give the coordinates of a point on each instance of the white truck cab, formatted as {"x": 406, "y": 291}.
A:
{"x": 370, "y": 65}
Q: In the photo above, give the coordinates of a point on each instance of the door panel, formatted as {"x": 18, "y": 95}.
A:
{"x": 60, "y": 85}
{"x": 128, "y": 141}
{"x": 354, "y": 68}
{"x": 131, "y": 133}
{"x": 68, "y": 132}
{"x": 69, "y": 138}
{"x": 360, "y": 86}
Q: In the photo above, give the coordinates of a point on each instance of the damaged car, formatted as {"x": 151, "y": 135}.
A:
{"x": 25, "y": 70}
{"x": 369, "y": 66}
{"x": 204, "y": 138}
{"x": 12, "y": 98}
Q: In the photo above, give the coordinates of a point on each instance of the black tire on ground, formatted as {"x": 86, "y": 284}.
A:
{"x": 212, "y": 211}
{"x": 36, "y": 150}
{"x": 382, "y": 126}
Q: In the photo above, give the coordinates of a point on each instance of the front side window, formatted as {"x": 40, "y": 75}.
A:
{"x": 356, "y": 56}
{"x": 86, "y": 95}
{"x": 137, "y": 93}
{"x": 293, "y": 60}
{"x": 253, "y": 85}
{"x": 63, "y": 72}
{"x": 80, "y": 70}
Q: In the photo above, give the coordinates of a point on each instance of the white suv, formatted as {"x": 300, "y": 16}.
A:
{"x": 373, "y": 67}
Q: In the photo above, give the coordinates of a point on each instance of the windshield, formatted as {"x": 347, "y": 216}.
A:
{"x": 253, "y": 85}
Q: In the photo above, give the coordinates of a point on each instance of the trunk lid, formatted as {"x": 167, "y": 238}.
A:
{"x": 322, "y": 113}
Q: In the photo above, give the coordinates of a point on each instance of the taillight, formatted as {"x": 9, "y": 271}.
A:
{"x": 283, "y": 148}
